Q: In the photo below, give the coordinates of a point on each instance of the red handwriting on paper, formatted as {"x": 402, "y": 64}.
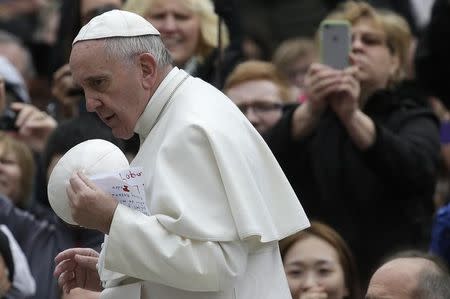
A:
{"x": 130, "y": 175}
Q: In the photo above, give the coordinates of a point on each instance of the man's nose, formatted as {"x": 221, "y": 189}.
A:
{"x": 92, "y": 103}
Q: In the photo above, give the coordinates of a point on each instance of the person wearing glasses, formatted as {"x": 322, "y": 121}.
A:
{"x": 259, "y": 91}
{"x": 362, "y": 152}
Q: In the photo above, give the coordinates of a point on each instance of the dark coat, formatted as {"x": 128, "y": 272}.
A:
{"x": 379, "y": 199}
{"x": 41, "y": 241}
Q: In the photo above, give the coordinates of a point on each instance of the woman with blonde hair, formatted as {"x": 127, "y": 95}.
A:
{"x": 190, "y": 31}
{"x": 17, "y": 170}
{"x": 363, "y": 151}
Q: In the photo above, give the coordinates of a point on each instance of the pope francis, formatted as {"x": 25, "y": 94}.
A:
{"x": 218, "y": 200}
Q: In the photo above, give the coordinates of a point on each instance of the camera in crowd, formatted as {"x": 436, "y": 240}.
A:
{"x": 8, "y": 120}
{"x": 8, "y": 116}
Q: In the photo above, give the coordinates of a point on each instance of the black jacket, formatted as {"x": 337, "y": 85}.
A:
{"x": 379, "y": 199}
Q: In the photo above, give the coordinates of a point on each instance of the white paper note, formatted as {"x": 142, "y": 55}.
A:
{"x": 127, "y": 186}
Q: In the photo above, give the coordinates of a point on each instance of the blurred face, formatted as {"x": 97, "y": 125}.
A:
{"x": 113, "y": 87}
{"x": 397, "y": 278}
{"x": 372, "y": 55}
{"x": 296, "y": 73}
{"x": 179, "y": 27}
{"x": 260, "y": 101}
{"x": 91, "y": 8}
{"x": 10, "y": 175}
{"x": 312, "y": 269}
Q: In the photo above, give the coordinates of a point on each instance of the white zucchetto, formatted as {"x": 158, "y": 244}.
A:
{"x": 115, "y": 23}
{"x": 92, "y": 157}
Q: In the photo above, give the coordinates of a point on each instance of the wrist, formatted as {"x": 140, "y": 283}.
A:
{"x": 109, "y": 219}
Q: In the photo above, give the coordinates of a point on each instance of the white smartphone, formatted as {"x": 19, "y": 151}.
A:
{"x": 335, "y": 39}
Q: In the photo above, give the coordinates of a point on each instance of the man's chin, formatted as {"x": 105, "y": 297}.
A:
{"x": 121, "y": 134}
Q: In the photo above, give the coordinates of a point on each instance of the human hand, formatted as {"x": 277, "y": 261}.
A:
{"x": 5, "y": 284}
{"x": 13, "y": 8}
{"x": 90, "y": 206}
{"x": 345, "y": 98}
{"x": 79, "y": 293}
{"x": 320, "y": 82}
{"x": 34, "y": 126}
{"x": 77, "y": 268}
{"x": 311, "y": 293}
{"x": 66, "y": 91}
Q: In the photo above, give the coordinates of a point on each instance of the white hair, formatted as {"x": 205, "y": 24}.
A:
{"x": 127, "y": 47}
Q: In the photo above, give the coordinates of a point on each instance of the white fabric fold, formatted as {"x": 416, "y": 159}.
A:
{"x": 218, "y": 201}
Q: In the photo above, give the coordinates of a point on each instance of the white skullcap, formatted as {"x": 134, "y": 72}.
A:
{"x": 92, "y": 157}
{"x": 115, "y": 23}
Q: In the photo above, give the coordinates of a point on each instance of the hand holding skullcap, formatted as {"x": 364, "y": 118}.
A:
{"x": 92, "y": 157}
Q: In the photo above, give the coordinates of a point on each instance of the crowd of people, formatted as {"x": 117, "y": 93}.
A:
{"x": 268, "y": 174}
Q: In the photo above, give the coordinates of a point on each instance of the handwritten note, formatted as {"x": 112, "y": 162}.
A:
{"x": 127, "y": 186}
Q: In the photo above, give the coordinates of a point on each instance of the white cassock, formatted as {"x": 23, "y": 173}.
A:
{"x": 219, "y": 203}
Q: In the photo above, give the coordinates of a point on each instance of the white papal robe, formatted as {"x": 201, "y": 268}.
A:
{"x": 219, "y": 203}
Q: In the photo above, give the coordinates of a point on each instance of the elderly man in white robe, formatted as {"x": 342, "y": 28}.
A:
{"x": 218, "y": 200}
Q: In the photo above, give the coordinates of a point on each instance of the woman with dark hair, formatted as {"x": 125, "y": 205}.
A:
{"x": 319, "y": 264}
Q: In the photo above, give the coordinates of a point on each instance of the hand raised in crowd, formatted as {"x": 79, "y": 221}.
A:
{"x": 77, "y": 268}
{"x": 34, "y": 126}
{"x": 66, "y": 91}
{"x": 312, "y": 293}
{"x": 10, "y": 9}
{"x": 345, "y": 99}
{"x": 90, "y": 206}
{"x": 321, "y": 81}
{"x": 5, "y": 284}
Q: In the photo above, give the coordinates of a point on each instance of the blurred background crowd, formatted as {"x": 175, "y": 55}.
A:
{"x": 366, "y": 149}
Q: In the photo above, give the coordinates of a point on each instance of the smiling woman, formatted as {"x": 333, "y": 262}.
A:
{"x": 188, "y": 27}
{"x": 190, "y": 31}
{"x": 16, "y": 170}
{"x": 319, "y": 264}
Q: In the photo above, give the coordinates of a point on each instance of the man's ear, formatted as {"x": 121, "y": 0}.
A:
{"x": 148, "y": 70}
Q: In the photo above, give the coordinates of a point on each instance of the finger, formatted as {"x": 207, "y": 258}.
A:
{"x": 89, "y": 262}
{"x": 351, "y": 70}
{"x": 61, "y": 72}
{"x": 44, "y": 121}
{"x": 324, "y": 84}
{"x": 70, "y": 253}
{"x": 322, "y": 73}
{"x": 26, "y": 112}
{"x": 71, "y": 195}
{"x": 327, "y": 90}
{"x": 66, "y": 277}
{"x": 86, "y": 180}
{"x": 64, "y": 266}
{"x": 77, "y": 183}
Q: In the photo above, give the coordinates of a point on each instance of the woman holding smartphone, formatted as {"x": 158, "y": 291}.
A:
{"x": 362, "y": 151}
